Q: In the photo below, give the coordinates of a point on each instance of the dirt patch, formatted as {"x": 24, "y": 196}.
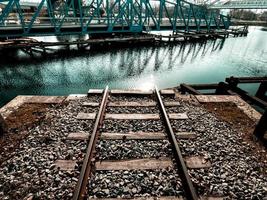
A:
{"x": 21, "y": 120}
{"x": 240, "y": 122}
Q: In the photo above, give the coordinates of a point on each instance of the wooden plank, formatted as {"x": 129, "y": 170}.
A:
{"x": 145, "y": 136}
{"x": 246, "y": 79}
{"x": 132, "y": 104}
{"x": 132, "y": 116}
{"x": 197, "y": 162}
{"x": 144, "y": 198}
{"x": 131, "y": 92}
{"x": 186, "y": 135}
{"x": 167, "y": 92}
{"x": 95, "y": 91}
{"x": 172, "y": 103}
{"x": 65, "y": 165}
{"x": 78, "y": 136}
{"x": 135, "y": 164}
{"x": 187, "y": 88}
{"x": 204, "y": 86}
{"x": 142, "y": 104}
{"x": 134, "y": 136}
{"x": 91, "y": 104}
{"x": 85, "y": 116}
{"x": 178, "y": 116}
{"x": 212, "y": 198}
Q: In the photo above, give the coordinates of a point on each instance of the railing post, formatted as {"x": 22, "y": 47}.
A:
{"x": 261, "y": 128}
{"x": 220, "y": 88}
{"x": 262, "y": 90}
{"x": 3, "y": 126}
{"x": 232, "y": 81}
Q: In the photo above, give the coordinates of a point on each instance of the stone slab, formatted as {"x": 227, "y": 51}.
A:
{"x": 78, "y": 136}
{"x": 95, "y": 91}
{"x": 217, "y": 98}
{"x": 46, "y": 99}
{"x": 85, "y": 116}
{"x": 72, "y": 97}
{"x": 178, "y": 116}
{"x": 197, "y": 162}
{"x": 65, "y": 165}
{"x": 91, "y": 104}
{"x": 241, "y": 104}
{"x": 167, "y": 92}
{"x": 132, "y": 116}
{"x": 135, "y": 164}
{"x": 172, "y": 104}
{"x": 15, "y": 103}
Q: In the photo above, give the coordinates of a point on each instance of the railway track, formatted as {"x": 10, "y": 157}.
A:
{"x": 115, "y": 155}
{"x": 117, "y": 144}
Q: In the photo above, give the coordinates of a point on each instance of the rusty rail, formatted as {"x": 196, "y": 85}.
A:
{"x": 87, "y": 162}
{"x": 190, "y": 191}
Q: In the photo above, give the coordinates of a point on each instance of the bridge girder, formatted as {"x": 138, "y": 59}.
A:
{"x": 239, "y": 4}
{"x": 50, "y": 17}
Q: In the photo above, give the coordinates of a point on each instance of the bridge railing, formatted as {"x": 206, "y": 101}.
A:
{"x": 240, "y": 4}
{"x": 52, "y": 17}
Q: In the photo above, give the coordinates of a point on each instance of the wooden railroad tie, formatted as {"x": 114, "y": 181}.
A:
{"x": 131, "y": 136}
{"x": 132, "y": 104}
{"x": 195, "y": 162}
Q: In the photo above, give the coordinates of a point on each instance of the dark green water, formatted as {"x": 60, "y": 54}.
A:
{"x": 134, "y": 67}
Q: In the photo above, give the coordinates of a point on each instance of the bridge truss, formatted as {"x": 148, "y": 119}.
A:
{"x": 67, "y": 17}
{"x": 239, "y": 4}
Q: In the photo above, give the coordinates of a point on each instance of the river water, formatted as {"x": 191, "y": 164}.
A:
{"x": 134, "y": 67}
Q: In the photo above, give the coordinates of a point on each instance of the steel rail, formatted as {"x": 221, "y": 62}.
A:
{"x": 87, "y": 162}
{"x": 190, "y": 191}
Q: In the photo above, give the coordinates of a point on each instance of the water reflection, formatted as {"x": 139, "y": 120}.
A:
{"x": 23, "y": 69}
{"x": 73, "y": 71}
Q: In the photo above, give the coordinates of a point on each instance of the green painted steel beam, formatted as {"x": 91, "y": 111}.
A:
{"x": 54, "y": 17}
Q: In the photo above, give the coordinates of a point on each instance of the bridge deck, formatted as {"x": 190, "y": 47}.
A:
{"x": 122, "y": 16}
{"x": 240, "y": 4}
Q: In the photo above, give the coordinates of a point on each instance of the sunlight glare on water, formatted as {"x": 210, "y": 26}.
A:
{"x": 133, "y": 67}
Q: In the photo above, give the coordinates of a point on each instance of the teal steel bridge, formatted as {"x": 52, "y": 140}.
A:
{"x": 20, "y": 18}
{"x": 239, "y": 4}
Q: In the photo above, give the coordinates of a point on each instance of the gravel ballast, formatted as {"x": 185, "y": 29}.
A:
{"x": 132, "y": 110}
{"x": 131, "y": 98}
{"x": 129, "y": 149}
{"x": 125, "y": 126}
{"x": 31, "y": 171}
{"x": 235, "y": 172}
{"x": 135, "y": 183}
